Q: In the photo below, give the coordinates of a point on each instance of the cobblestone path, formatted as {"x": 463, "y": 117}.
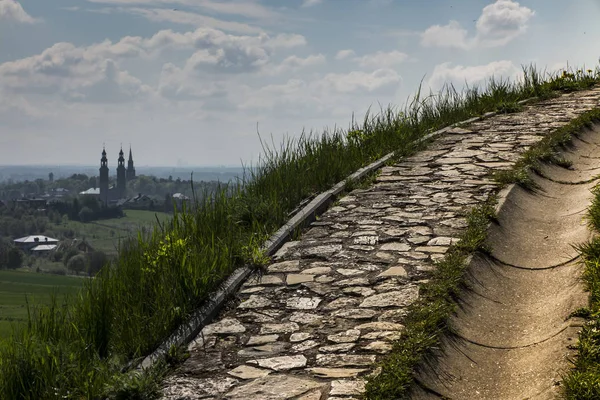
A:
{"x": 329, "y": 306}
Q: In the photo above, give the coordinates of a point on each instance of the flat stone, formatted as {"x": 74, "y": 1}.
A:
{"x": 385, "y": 256}
{"x": 306, "y": 345}
{"x": 349, "y": 272}
{"x": 336, "y": 372}
{"x": 358, "y": 290}
{"x": 394, "y": 271}
{"x": 258, "y": 340}
{"x": 386, "y": 335}
{"x": 400, "y": 298}
{"x": 314, "y": 395}
{"x": 381, "y": 326}
{"x": 255, "y": 301}
{"x": 285, "y": 266}
{"x": 320, "y": 251}
{"x": 395, "y": 246}
{"x": 355, "y": 313}
{"x": 299, "y": 336}
{"x": 442, "y": 241}
{"x": 451, "y": 161}
{"x": 337, "y": 348}
{"x": 252, "y": 289}
{"x": 349, "y": 336}
{"x": 317, "y": 271}
{"x": 432, "y": 249}
{"x": 265, "y": 350}
{"x": 283, "y": 363}
{"x": 303, "y": 303}
{"x": 287, "y": 327}
{"x": 194, "y": 388}
{"x": 274, "y": 387}
{"x": 286, "y": 249}
{"x": 256, "y": 317}
{"x": 248, "y": 372}
{"x": 345, "y": 360}
{"x": 366, "y": 240}
{"x": 352, "y": 282}
{"x": 418, "y": 239}
{"x": 294, "y": 279}
{"x": 306, "y": 318}
{"x": 226, "y": 326}
{"x": 324, "y": 279}
{"x": 342, "y": 302}
{"x": 318, "y": 287}
{"x": 347, "y": 387}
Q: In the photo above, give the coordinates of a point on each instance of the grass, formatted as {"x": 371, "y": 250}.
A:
{"x": 78, "y": 348}
{"x": 583, "y": 381}
{"x": 19, "y": 288}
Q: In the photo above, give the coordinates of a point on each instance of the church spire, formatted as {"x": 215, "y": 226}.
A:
{"x": 130, "y": 167}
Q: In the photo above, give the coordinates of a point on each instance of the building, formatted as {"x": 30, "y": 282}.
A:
{"x": 113, "y": 194}
{"x": 36, "y": 243}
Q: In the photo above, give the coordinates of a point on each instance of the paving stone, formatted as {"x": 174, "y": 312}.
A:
{"x": 337, "y": 348}
{"x": 351, "y": 335}
{"x": 432, "y": 249}
{"x": 300, "y": 336}
{"x": 226, "y": 326}
{"x": 347, "y": 387}
{"x": 294, "y": 279}
{"x": 247, "y": 372}
{"x": 354, "y": 313}
{"x": 394, "y": 271}
{"x": 358, "y": 291}
{"x": 193, "y": 388}
{"x": 345, "y": 360}
{"x": 258, "y": 340}
{"x": 306, "y": 318}
{"x": 399, "y": 298}
{"x": 274, "y": 387}
{"x": 342, "y": 302}
{"x": 285, "y": 266}
{"x": 283, "y": 363}
{"x": 395, "y": 246}
{"x": 317, "y": 271}
{"x": 378, "y": 347}
{"x": 304, "y": 346}
{"x": 303, "y": 303}
{"x": 287, "y": 327}
{"x": 255, "y": 301}
{"x": 380, "y": 326}
{"x": 265, "y": 350}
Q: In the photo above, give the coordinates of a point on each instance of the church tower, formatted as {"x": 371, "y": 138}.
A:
{"x": 121, "y": 181}
{"x": 130, "y": 168}
{"x": 103, "y": 185}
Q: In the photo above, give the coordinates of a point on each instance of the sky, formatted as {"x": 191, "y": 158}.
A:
{"x": 200, "y": 82}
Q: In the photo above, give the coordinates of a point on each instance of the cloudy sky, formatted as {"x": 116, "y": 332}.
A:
{"x": 191, "y": 82}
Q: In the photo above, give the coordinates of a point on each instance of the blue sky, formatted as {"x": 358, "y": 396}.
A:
{"x": 189, "y": 82}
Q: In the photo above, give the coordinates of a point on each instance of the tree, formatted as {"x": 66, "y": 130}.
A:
{"x": 69, "y": 253}
{"x": 77, "y": 263}
{"x": 51, "y": 177}
{"x": 86, "y": 214}
{"x": 14, "y": 258}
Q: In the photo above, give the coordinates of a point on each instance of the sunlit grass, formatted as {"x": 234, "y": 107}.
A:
{"x": 78, "y": 348}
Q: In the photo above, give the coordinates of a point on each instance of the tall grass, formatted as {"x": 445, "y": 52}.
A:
{"x": 77, "y": 349}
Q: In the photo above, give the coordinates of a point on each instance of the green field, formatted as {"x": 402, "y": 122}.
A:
{"x": 16, "y": 288}
{"x": 104, "y": 235}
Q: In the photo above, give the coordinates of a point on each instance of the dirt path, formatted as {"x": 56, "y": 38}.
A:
{"x": 513, "y": 330}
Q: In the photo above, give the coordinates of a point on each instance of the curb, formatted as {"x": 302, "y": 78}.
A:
{"x": 186, "y": 332}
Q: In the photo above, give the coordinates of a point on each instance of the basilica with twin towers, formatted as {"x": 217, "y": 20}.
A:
{"x": 111, "y": 194}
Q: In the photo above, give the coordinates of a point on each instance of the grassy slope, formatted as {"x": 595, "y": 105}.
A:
{"x": 158, "y": 279}
{"x": 18, "y": 288}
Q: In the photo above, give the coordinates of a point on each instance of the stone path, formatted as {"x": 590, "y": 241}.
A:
{"x": 330, "y": 305}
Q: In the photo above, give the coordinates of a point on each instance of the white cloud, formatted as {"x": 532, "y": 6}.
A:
{"x": 382, "y": 59}
{"x": 358, "y": 81}
{"x": 344, "y": 54}
{"x": 295, "y": 63}
{"x": 459, "y": 75}
{"x": 499, "y": 23}
{"x": 12, "y": 10}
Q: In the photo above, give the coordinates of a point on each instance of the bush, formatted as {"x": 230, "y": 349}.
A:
{"x": 96, "y": 260}
{"x": 77, "y": 263}
{"x": 68, "y": 254}
{"x": 14, "y": 258}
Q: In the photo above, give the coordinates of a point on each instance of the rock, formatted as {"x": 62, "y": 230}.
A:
{"x": 255, "y": 301}
{"x": 285, "y": 266}
{"x": 358, "y": 291}
{"x": 299, "y": 336}
{"x": 324, "y": 279}
{"x": 303, "y": 303}
{"x": 349, "y": 272}
{"x": 287, "y": 327}
{"x": 265, "y": 350}
{"x": 355, "y": 313}
{"x": 337, "y": 348}
{"x": 442, "y": 241}
{"x": 193, "y": 388}
{"x": 347, "y": 387}
{"x": 322, "y": 251}
{"x": 317, "y": 271}
{"x": 283, "y": 363}
{"x": 294, "y": 279}
{"x": 314, "y": 395}
{"x": 400, "y": 298}
{"x": 345, "y": 360}
{"x": 247, "y": 372}
{"x": 264, "y": 280}
{"x": 255, "y": 317}
{"x": 306, "y": 345}
{"x": 318, "y": 288}
{"x": 366, "y": 240}
{"x": 387, "y": 335}
{"x": 252, "y": 289}
{"x": 378, "y": 347}
{"x": 306, "y": 318}
{"x": 226, "y": 326}
{"x": 352, "y": 282}
{"x": 380, "y": 326}
{"x": 274, "y": 387}
{"x": 336, "y": 372}
{"x": 394, "y": 271}
{"x": 395, "y": 246}
{"x": 351, "y": 335}
{"x": 285, "y": 250}
{"x": 258, "y": 340}
{"x": 432, "y": 249}
{"x": 342, "y": 302}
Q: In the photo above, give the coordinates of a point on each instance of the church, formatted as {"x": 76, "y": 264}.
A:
{"x": 124, "y": 175}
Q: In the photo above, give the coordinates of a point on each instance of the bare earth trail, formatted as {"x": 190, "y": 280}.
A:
{"x": 514, "y": 328}
{"x": 314, "y": 325}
